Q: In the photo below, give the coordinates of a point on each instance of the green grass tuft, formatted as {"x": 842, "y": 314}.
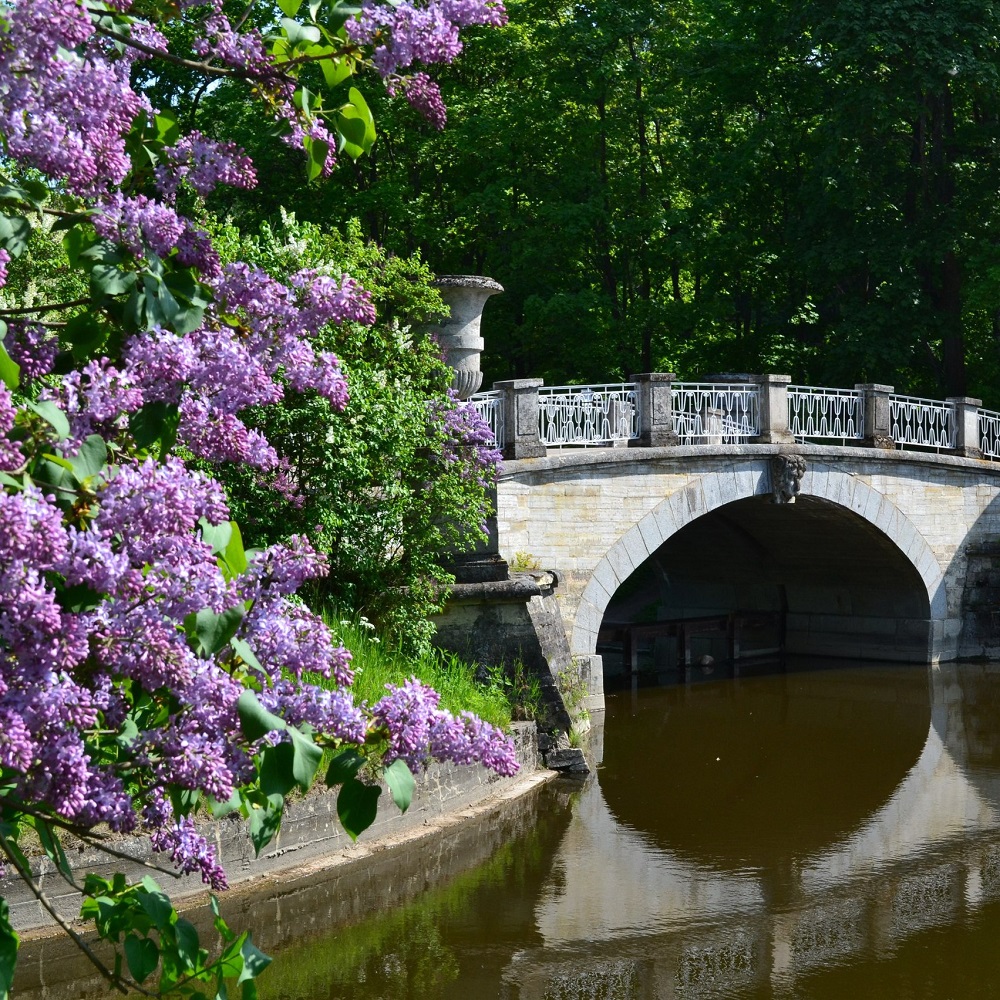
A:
{"x": 376, "y": 665}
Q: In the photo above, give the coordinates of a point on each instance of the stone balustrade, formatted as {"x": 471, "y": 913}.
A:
{"x": 654, "y": 410}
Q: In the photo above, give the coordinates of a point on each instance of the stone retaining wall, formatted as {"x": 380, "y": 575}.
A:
{"x": 310, "y": 831}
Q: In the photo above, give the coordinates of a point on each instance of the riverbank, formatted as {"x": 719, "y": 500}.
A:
{"x": 292, "y": 906}
{"x": 311, "y": 839}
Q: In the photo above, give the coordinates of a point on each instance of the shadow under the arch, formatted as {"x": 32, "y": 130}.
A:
{"x": 812, "y": 577}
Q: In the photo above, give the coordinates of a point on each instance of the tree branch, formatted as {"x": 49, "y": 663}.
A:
{"x": 122, "y": 985}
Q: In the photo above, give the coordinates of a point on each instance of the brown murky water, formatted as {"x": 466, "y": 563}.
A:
{"x": 813, "y": 834}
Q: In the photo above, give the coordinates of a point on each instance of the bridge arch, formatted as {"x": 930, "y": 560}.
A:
{"x": 713, "y": 490}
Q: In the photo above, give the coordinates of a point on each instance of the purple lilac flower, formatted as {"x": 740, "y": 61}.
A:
{"x": 4, "y": 261}
{"x": 190, "y": 852}
{"x": 468, "y": 441}
{"x": 424, "y": 95}
{"x": 11, "y": 456}
{"x": 64, "y": 107}
{"x": 203, "y": 163}
{"x": 419, "y": 730}
{"x": 33, "y": 346}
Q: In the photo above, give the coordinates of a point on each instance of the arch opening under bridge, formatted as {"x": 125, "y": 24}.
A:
{"x": 840, "y": 572}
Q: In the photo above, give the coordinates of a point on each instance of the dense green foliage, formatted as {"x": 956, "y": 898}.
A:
{"x": 708, "y": 185}
{"x": 370, "y": 485}
{"x": 377, "y": 662}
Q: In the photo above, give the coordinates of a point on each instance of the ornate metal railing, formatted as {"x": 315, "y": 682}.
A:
{"x": 587, "y": 414}
{"x": 715, "y": 413}
{"x": 707, "y": 413}
{"x": 922, "y": 423}
{"x": 489, "y": 406}
{"x": 820, "y": 413}
{"x": 989, "y": 433}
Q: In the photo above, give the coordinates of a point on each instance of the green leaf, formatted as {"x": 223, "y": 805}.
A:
{"x": 155, "y": 903}
{"x": 15, "y": 231}
{"x": 336, "y": 71}
{"x": 216, "y": 536}
{"x": 399, "y": 778}
{"x": 87, "y": 335}
{"x": 361, "y": 106}
{"x": 255, "y": 719}
{"x": 344, "y": 766}
{"x": 209, "y": 631}
{"x": 10, "y": 370}
{"x": 188, "y": 945}
{"x": 90, "y": 459}
{"x": 357, "y": 806}
{"x": 220, "y": 809}
{"x": 234, "y": 555}
{"x": 155, "y": 421}
{"x": 78, "y": 598}
{"x": 254, "y": 961}
{"x": 53, "y": 416}
{"x": 167, "y": 129}
{"x": 142, "y": 956}
{"x": 9, "y": 942}
{"x": 290, "y": 7}
{"x": 297, "y": 33}
{"x": 351, "y": 128}
{"x": 306, "y": 760}
{"x": 276, "y": 764}
{"x": 317, "y": 151}
{"x": 221, "y": 927}
{"x": 106, "y": 279}
{"x": 52, "y": 846}
{"x": 265, "y": 822}
{"x": 246, "y": 654}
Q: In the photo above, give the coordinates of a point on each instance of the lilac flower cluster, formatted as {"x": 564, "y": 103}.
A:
{"x": 65, "y": 106}
{"x": 418, "y": 730}
{"x": 424, "y": 95}
{"x": 203, "y": 163}
{"x": 215, "y": 372}
{"x": 405, "y": 33}
{"x": 468, "y": 442}
{"x": 11, "y": 456}
{"x": 112, "y": 589}
{"x": 33, "y": 347}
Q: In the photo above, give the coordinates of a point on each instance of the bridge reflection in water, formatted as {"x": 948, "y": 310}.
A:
{"x": 719, "y": 857}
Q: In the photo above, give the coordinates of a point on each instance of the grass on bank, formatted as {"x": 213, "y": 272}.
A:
{"x": 376, "y": 664}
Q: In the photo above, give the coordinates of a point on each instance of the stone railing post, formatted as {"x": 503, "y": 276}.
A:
{"x": 655, "y": 410}
{"x": 877, "y": 416}
{"x": 967, "y": 443}
{"x": 520, "y": 418}
{"x": 772, "y": 398}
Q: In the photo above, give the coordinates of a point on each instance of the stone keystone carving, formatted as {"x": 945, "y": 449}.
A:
{"x": 786, "y": 477}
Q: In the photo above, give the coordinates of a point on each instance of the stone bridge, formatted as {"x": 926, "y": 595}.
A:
{"x": 867, "y": 523}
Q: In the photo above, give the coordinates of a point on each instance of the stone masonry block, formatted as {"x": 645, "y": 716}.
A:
{"x": 652, "y": 536}
{"x": 606, "y": 576}
{"x": 635, "y": 545}
{"x": 588, "y": 617}
{"x": 620, "y": 562}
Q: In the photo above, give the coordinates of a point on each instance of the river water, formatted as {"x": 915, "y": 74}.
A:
{"x": 812, "y": 833}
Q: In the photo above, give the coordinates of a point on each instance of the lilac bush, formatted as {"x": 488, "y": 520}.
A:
{"x": 150, "y": 667}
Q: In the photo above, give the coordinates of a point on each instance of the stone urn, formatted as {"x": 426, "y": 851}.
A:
{"x": 459, "y": 336}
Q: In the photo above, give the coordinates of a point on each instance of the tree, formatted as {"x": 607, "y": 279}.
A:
{"x": 705, "y": 185}
{"x": 150, "y": 666}
{"x": 395, "y": 483}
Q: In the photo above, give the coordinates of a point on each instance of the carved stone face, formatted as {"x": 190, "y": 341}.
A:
{"x": 786, "y": 477}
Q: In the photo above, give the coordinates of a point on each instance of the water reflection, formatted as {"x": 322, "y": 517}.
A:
{"x": 808, "y": 835}
{"x": 769, "y": 832}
